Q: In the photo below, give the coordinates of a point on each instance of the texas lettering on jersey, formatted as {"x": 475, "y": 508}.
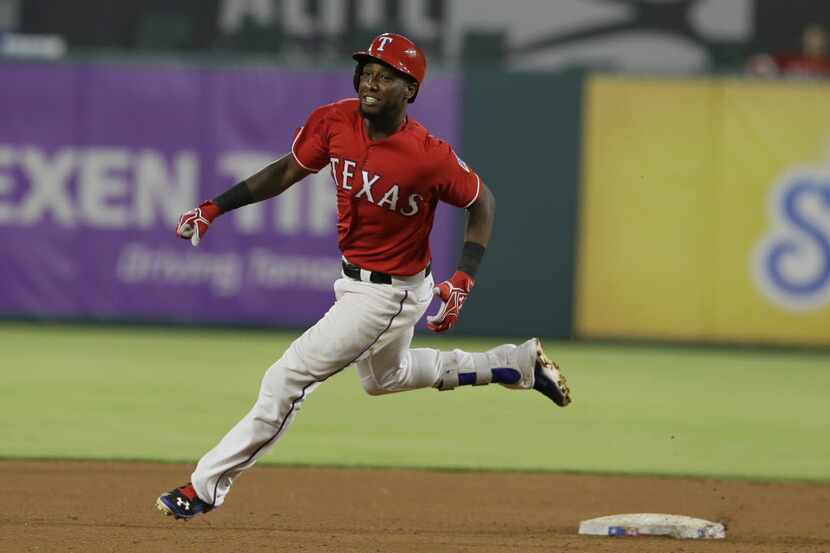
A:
{"x": 368, "y": 191}
{"x": 387, "y": 190}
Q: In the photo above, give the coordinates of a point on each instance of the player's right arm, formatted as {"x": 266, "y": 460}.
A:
{"x": 272, "y": 180}
{"x": 309, "y": 154}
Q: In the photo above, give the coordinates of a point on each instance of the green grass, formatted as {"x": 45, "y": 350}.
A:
{"x": 170, "y": 394}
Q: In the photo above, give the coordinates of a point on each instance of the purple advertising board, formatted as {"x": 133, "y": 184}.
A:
{"x": 97, "y": 161}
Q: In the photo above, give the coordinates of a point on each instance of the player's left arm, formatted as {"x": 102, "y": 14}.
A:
{"x": 453, "y": 292}
{"x": 480, "y": 218}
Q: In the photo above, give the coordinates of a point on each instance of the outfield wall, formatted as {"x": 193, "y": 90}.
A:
{"x": 673, "y": 209}
{"x": 522, "y": 132}
{"x": 706, "y": 211}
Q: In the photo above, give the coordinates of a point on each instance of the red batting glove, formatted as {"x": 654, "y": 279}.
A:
{"x": 194, "y": 224}
{"x": 453, "y": 293}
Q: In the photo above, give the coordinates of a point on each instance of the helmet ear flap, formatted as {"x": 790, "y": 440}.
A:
{"x": 417, "y": 88}
{"x": 357, "y": 72}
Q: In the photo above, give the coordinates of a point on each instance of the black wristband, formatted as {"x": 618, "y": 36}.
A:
{"x": 471, "y": 256}
{"x": 234, "y": 197}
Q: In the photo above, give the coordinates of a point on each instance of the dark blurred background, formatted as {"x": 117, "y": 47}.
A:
{"x": 722, "y": 32}
{"x": 660, "y": 164}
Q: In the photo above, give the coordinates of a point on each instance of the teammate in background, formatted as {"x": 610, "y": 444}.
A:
{"x": 389, "y": 175}
{"x": 812, "y": 62}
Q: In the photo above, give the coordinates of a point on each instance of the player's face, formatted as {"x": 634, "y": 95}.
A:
{"x": 383, "y": 90}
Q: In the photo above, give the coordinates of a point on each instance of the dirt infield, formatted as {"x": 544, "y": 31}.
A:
{"x": 93, "y": 507}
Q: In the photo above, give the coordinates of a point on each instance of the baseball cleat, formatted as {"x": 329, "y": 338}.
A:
{"x": 182, "y": 503}
{"x": 548, "y": 380}
{"x": 535, "y": 371}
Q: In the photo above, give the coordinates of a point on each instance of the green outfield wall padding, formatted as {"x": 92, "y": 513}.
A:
{"x": 521, "y": 133}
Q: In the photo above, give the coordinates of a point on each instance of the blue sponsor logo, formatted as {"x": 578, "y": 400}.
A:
{"x": 792, "y": 262}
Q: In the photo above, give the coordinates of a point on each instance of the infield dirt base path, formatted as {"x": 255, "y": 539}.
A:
{"x": 92, "y": 507}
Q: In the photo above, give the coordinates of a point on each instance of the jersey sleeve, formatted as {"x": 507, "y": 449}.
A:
{"x": 458, "y": 185}
{"x": 311, "y": 141}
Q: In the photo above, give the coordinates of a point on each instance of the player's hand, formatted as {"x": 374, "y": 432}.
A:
{"x": 194, "y": 224}
{"x": 453, "y": 294}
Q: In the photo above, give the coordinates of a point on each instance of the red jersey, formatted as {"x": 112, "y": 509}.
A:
{"x": 387, "y": 190}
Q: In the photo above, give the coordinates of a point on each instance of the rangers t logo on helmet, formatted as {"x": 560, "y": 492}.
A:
{"x": 383, "y": 41}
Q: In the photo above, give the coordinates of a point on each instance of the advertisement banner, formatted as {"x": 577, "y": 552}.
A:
{"x": 706, "y": 211}
{"x": 98, "y": 160}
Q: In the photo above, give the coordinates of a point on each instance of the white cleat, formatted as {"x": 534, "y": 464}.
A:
{"x": 540, "y": 373}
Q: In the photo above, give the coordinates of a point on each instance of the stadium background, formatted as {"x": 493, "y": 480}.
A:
{"x": 663, "y": 223}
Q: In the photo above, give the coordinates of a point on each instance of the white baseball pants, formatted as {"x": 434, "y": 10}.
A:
{"x": 370, "y": 324}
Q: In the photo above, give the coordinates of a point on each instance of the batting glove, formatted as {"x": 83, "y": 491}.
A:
{"x": 453, "y": 294}
{"x": 194, "y": 224}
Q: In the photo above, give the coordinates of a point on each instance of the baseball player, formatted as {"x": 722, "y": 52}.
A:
{"x": 389, "y": 174}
